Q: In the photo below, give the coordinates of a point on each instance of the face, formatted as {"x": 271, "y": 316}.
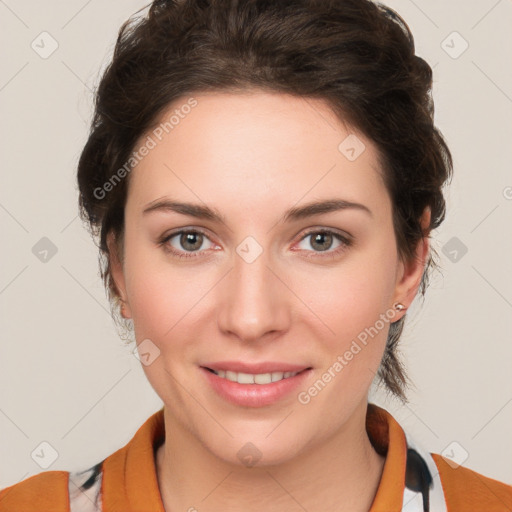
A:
{"x": 263, "y": 282}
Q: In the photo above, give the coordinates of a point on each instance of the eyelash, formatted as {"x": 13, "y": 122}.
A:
{"x": 345, "y": 243}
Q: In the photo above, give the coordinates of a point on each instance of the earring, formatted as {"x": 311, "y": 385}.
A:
{"x": 399, "y": 306}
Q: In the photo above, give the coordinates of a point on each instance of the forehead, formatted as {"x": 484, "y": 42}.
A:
{"x": 254, "y": 147}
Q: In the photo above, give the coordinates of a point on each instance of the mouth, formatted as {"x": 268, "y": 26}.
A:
{"x": 255, "y": 384}
{"x": 254, "y": 378}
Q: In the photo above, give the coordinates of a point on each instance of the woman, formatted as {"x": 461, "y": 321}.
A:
{"x": 263, "y": 178}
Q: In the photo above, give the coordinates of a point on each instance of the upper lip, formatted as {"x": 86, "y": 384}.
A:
{"x": 255, "y": 368}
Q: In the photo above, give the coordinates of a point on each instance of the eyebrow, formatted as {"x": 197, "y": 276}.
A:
{"x": 296, "y": 213}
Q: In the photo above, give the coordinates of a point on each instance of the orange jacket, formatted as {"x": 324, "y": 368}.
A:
{"x": 126, "y": 481}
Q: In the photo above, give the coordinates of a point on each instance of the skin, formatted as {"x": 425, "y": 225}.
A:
{"x": 252, "y": 156}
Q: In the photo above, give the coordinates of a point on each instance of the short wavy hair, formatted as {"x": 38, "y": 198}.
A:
{"x": 356, "y": 55}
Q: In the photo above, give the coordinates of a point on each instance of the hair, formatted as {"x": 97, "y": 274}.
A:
{"x": 356, "y": 55}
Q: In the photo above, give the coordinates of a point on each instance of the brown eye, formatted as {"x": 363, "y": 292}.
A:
{"x": 184, "y": 243}
{"x": 191, "y": 241}
{"x": 321, "y": 241}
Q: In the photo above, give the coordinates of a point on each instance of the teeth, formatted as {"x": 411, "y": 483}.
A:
{"x": 250, "y": 378}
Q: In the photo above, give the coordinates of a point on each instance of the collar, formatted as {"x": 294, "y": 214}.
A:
{"x": 130, "y": 482}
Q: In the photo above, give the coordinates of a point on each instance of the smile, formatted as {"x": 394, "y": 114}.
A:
{"x": 251, "y": 378}
{"x": 255, "y": 389}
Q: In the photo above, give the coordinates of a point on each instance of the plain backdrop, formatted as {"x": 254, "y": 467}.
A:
{"x": 65, "y": 377}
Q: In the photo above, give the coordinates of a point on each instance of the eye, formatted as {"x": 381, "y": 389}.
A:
{"x": 184, "y": 243}
{"x": 322, "y": 240}
{"x": 187, "y": 242}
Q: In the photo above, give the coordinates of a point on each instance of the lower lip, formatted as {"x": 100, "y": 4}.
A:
{"x": 254, "y": 395}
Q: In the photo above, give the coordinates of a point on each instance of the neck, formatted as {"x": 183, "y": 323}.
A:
{"x": 342, "y": 473}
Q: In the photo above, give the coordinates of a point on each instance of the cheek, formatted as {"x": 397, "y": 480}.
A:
{"x": 153, "y": 297}
{"x": 165, "y": 296}
{"x": 353, "y": 302}
{"x": 353, "y": 295}
{"x": 160, "y": 301}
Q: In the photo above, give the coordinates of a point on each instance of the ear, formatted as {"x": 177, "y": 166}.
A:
{"x": 117, "y": 272}
{"x": 409, "y": 274}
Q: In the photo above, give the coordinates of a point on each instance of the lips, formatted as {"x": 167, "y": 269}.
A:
{"x": 254, "y": 368}
{"x": 250, "y": 393}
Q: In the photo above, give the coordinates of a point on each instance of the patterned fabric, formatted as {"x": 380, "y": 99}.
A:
{"x": 85, "y": 490}
{"x": 423, "y": 491}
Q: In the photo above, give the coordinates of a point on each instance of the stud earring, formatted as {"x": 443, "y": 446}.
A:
{"x": 399, "y": 306}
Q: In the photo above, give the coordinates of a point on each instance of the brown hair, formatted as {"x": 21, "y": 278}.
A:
{"x": 357, "y": 55}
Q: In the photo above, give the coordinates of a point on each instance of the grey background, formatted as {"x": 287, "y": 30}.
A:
{"x": 65, "y": 377}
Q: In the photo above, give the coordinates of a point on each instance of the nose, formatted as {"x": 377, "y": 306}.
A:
{"x": 253, "y": 302}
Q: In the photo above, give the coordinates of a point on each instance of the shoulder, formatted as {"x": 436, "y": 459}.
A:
{"x": 45, "y": 491}
{"x": 465, "y": 489}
